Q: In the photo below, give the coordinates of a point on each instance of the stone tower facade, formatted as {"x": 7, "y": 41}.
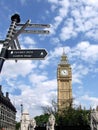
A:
{"x": 64, "y": 81}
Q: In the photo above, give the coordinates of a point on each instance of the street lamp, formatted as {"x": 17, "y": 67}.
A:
{"x": 0, "y": 117}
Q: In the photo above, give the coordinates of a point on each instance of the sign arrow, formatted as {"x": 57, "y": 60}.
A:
{"x": 36, "y": 31}
{"x": 26, "y": 54}
{"x": 36, "y": 25}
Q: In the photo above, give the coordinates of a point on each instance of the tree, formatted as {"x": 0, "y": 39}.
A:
{"x": 42, "y": 119}
{"x": 17, "y": 125}
{"x": 52, "y": 109}
{"x": 68, "y": 116}
{"x": 74, "y": 117}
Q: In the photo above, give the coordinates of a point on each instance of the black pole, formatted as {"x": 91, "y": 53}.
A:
{"x": 15, "y": 19}
{"x": 2, "y": 57}
{"x": 21, "y": 109}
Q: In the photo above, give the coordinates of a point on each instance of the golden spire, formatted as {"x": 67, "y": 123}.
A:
{"x": 64, "y": 59}
{"x": 63, "y": 51}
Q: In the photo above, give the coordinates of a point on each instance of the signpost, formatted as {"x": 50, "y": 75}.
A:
{"x": 36, "y": 25}
{"x": 16, "y": 53}
{"x": 36, "y": 31}
{"x": 26, "y": 54}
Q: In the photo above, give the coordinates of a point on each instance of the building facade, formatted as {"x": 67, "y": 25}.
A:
{"x": 64, "y": 81}
{"x": 7, "y": 112}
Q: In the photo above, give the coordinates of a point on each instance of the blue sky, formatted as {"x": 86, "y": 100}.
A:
{"x": 74, "y": 26}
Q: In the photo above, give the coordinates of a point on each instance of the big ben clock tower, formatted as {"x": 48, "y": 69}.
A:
{"x": 64, "y": 81}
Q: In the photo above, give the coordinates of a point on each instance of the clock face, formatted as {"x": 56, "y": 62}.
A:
{"x": 64, "y": 72}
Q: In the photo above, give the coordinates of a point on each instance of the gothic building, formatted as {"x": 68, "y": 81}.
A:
{"x": 64, "y": 81}
{"x": 7, "y": 112}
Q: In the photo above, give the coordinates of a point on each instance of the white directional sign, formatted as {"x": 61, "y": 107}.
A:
{"x": 36, "y": 31}
{"x": 36, "y": 25}
{"x": 26, "y": 54}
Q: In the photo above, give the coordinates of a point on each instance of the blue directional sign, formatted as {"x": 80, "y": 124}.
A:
{"x": 26, "y": 54}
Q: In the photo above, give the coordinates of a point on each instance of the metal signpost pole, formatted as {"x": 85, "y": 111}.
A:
{"x": 15, "y": 52}
{"x": 15, "y": 19}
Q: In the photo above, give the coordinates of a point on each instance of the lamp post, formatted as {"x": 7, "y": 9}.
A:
{"x": 0, "y": 117}
{"x": 21, "y": 108}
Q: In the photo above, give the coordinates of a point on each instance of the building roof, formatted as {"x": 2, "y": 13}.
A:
{"x": 6, "y": 101}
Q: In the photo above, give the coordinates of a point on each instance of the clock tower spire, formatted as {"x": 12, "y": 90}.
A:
{"x": 64, "y": 81}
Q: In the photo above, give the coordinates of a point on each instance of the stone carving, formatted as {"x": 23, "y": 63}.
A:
{"x": 32, "y": 124}
{"x": 50, "y": 123}
{"x": 26, "y": 122}
{"x": 94, "y": 120}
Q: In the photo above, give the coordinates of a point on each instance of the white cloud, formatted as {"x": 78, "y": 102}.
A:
{"x": 62, "y": 12}
{"x": 78, "y": 72}
{"x": 88, "y": 51}
{"x": 55, "y": 41}
{"x": 92, "y": 100}
{"x": 92, "y": 2}
{"x": 37, "y": 79}
{"x": 68, "y": 30}
{"x": 44, "y": 63}
{"x": 34, "y": 96}
{"x": 53, "y": 1}
{"x": 64, "y": 8}
{"x": 80, "y": 20}
{"x": 12, "y": 69}
{"x": 27, "y": 41}
{"x": 58, "y": 51}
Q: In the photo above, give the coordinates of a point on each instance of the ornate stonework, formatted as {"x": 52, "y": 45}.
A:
{"x": 64, "y": 81}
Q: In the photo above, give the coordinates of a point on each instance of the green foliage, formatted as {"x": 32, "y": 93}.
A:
{"x": 73, "y": 117}
{"x": 68, "y": 117}
{"x": 17, "y": 125}
{"x": 42, "y": 119}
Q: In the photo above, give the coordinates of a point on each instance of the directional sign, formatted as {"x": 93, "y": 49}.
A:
{"x": 36, "y": 25}
{"x": 25, "y": 54}
{"x": 36, "y": 31}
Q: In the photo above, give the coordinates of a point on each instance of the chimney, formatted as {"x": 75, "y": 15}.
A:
{"x": 0, "y": 88}
{"x": 7, "y": 95}
{"x": 1, "y": 93}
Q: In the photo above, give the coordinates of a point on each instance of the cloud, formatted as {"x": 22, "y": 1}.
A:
{"x": 36, "y": 78}
{"x": 86, "y": 51}
{"x": 21, "y": 68}
{"x": 53, "y": 1}
{"x": 68, "y": 31}
{"x": 93, "y": 100}
{"x": 92, "y": 2}
{"x": 33, "y": 96}
{"x": 27, "y": 42}
{"x": 78, "y": 72}
{"x": 76, "y": 18}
